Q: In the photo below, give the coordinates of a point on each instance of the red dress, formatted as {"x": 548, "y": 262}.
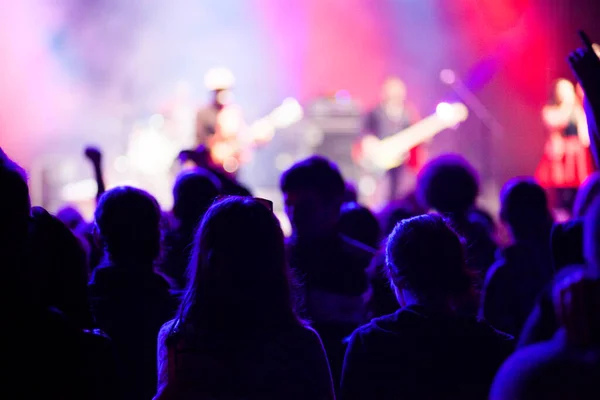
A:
{"x": 566, "y": 162}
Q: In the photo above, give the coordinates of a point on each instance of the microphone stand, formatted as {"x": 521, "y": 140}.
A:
{"x": 488, "y": 122}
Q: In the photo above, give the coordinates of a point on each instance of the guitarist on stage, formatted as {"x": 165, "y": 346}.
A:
{"x": 392, "y": 115}
{"x": 220, "y": 123}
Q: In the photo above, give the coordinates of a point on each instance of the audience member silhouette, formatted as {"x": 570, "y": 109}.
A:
{"x": 428, "y": 349}
{"x": 59, "y": 269}
{"x": 193, "y": 193}
{"x": 524, "y": 268}
{"x": 450, "y": 185}
{"x": 358, "y": 222}
{"x": 14, "y": 220}
{"x": 237, "y": 335}
{"x": 332, "y": 267}
{"x": 350, "y": 194}
{"x": 129, "y": 301}
{"x": 36, "y": 335}
{"x": 567, "y": 238}
{"x": 568, "y": 365}
{"x": 382, "y": 299}
{"x": 201, "y": 158}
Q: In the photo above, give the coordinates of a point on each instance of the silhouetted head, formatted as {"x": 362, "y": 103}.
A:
{"x": 193, "y": 193}
{"x": 71, "y": 217}
{"x": 524, "y": 208}
{"x": 426, "y": 262}
{"x": 350, "y": 195}
{"x": 448, "y": 184}
{"x": 313, "y": 191}
{"x": 14, "y": 199}
{"x": 14, "y": 219}
{"x": 393, "y": 213}
{"x": 587, "y": 193}
{"x": 238, "y": 276}
{"x": 128, "y": 222}
{"x": 59, "y": 267}
{"x": 358, "y": 223}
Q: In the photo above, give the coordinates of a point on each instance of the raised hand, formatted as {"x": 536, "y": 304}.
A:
{"x": 93, "y": 154}
{"x": 586, "y": 66}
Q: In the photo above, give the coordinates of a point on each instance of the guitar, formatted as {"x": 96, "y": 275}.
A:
{"x": 380, "y": 155}
{"x": 229, "y": 149}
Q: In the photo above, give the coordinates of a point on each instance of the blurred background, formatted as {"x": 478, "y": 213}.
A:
{"x": 77, "y": 72}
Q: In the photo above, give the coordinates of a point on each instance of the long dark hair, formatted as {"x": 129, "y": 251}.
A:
{"x": 238, "y": 276}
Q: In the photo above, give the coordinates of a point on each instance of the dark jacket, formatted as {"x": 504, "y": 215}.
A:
{"x": 131, "y": 304}
{"x": 334, "y": 282}
{"x": 418, "y": 354}
{"x": 550, "y": 370}
{"x": 287, "y": 363}
{"x": 513, "y": 284}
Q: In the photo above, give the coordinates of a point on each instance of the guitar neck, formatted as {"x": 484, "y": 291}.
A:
{"x": 414, "y": 135}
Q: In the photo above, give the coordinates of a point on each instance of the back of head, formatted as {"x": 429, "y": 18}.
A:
{"x": 315, "y": 173}
{"x": 313, "y": 191}
{"x": 426, "y": 257}
{"x": 393, "y": 213}
{"x": 14, "y": 219}
{"x": 566, "y": 241}
{"x": 58, "y": 264}
{"x": 448, "y": 184}
{"x": 524, "y": 207}
{"x": 14, "y": 199}
{"x": 238, "y": 274}
{"x": 359, "y": 223}
{"x": 193, "y": 193}
{"x": 128, "y": 221}
{"x": 350, "y": 195}
{"x": 588, "y": 191}
{"x": 71, "y": 217}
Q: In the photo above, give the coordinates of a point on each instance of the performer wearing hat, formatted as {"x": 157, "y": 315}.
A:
{"x": 220, "y": 123}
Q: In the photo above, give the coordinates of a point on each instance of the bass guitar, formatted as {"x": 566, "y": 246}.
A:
{"x": 379, "y": 155}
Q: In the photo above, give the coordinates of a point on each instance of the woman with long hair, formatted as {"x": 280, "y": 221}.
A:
{"x": 566, "y": 162}
{"x": 59, "y": 272}
{"x": 432, "y": 347}
{"x": 237, "y": 334}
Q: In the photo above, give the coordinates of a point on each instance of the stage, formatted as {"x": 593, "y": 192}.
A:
{"x": 126, "y": 76}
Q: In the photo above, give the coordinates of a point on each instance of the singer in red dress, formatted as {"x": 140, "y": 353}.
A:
{"x": 566, "y": 161}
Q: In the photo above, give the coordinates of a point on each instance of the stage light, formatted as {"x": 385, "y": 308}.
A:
{"x": 448, "y": 76}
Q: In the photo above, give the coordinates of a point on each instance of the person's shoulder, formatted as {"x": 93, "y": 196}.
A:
{"x": 385, "y": 325}
{"x": 516, "y": 372}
